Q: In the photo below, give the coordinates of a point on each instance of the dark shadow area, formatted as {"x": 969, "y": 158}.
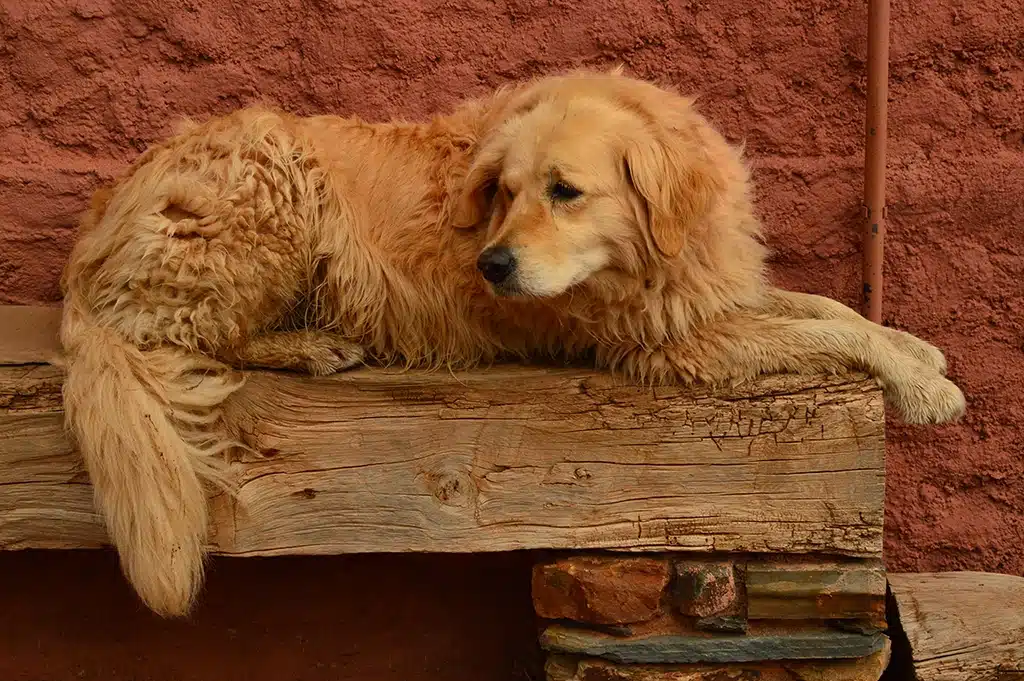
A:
{"x": 901, "y": 665}
{"x": 70, "y": 615}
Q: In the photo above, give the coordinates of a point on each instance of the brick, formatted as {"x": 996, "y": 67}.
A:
{"x": 600, "y": 590}
{"x": 705, "y": 589}
{"x": 869, "y": 668}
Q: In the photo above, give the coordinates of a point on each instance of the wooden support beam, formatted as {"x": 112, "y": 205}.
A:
{"x": 507, "y": 458}
{"x": 492, "y": 460}
{"x": 962, "y": 626}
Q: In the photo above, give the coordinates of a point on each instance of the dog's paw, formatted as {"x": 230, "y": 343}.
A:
{"x": 928, "y": 399}
{"x": 332, "y": 355}
{"x": 922, "y": 351}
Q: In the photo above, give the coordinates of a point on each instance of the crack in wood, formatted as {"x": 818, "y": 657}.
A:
{"x": 498, "y": 460}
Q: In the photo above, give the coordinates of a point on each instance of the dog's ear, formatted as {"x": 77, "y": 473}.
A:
{"x": 479, "y": 186}
{"x": 678, "y": 183}
{"x": 671, "y": 164}
{"x": 476, "y": 196}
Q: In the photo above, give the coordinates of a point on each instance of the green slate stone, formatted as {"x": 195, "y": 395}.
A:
{"x": 681, "y": 649}
{"x": 815, "y": 591}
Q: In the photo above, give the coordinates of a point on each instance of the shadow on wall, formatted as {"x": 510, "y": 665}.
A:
{"x": 68, "y": 615}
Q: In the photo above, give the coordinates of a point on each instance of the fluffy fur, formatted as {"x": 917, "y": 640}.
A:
{"x": 315, "y": 244}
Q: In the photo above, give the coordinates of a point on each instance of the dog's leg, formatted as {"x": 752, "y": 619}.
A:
{"x": 315, "y": 352}
{"x": 746, "y": 345}
{"x": 810, "y": 306}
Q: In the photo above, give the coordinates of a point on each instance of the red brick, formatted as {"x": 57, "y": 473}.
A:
{"x": 600, "y": 590}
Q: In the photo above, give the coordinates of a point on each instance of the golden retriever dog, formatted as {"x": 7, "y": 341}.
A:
{"x": 585, "y": 215}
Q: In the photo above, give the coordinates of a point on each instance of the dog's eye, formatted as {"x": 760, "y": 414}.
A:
{"x": 562, "y": 191}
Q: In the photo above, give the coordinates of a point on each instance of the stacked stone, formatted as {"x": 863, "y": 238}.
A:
{"x": 663, "y": 618}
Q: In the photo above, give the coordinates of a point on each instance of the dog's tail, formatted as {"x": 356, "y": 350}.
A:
{"x": 145, "y": 422}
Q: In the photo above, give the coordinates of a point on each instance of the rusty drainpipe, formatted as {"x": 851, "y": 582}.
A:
{"x": 874, "y": 156}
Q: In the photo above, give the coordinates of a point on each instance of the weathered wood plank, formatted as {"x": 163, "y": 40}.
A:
{"x": 963, "y": 626}
{"x": 507, "y": 458}
{"x": 755, "y": 646}
{"x": 28, "y": 334}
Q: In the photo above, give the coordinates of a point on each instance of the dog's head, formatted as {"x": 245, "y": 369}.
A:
{"x": 587, "y": 174}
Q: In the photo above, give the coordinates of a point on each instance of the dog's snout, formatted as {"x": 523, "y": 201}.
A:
{"x": 496, "y": 264}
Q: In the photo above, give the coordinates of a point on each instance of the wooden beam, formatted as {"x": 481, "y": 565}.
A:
{"x": 962, "y": 626}
{"x": 508, "y": 458}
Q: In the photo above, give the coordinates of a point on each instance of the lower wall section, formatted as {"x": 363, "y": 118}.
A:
{"x": 68, "y": 615}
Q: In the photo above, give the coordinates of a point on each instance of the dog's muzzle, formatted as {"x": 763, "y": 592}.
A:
{"x": 496, "y": 264}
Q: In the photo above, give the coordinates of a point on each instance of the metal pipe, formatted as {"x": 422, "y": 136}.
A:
{"x": 874, "y": 156}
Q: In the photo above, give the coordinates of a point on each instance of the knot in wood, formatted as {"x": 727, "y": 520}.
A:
{"x": 452, "y": 488}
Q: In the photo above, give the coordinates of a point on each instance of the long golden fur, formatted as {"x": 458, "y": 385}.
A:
{"x": 610, "y": 221}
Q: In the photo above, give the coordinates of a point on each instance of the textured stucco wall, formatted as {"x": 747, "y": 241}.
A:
{"x": 86, "y": 84}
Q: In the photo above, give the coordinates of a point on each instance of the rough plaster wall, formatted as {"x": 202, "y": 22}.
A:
{"x": 86, "y": 84}
{"x": 89, "y": 83}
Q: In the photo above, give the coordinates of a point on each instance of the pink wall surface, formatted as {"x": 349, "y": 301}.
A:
{"x": 87, "y": 84}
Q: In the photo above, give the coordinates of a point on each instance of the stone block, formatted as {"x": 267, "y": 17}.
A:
{"x": 705, "y": 589}
{"x": 812, "y": 590}
{"x": 601, "y": 590}
{"x": 868, "y": 668}
{"x": 688, "y": 647}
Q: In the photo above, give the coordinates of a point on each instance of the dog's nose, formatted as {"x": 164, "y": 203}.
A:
{"x": 496, "y": 264}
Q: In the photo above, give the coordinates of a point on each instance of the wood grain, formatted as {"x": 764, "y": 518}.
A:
{"x": 502, "y": 459}
{"x": 963, "y": 626}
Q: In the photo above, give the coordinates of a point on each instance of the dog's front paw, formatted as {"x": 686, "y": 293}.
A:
{"x": 922, "y": 351}
{"x": 332, "y": 356}
{"x": 928, "y": 399}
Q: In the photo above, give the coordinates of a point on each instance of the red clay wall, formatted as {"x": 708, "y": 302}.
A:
{"x": 88, "y": 83}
